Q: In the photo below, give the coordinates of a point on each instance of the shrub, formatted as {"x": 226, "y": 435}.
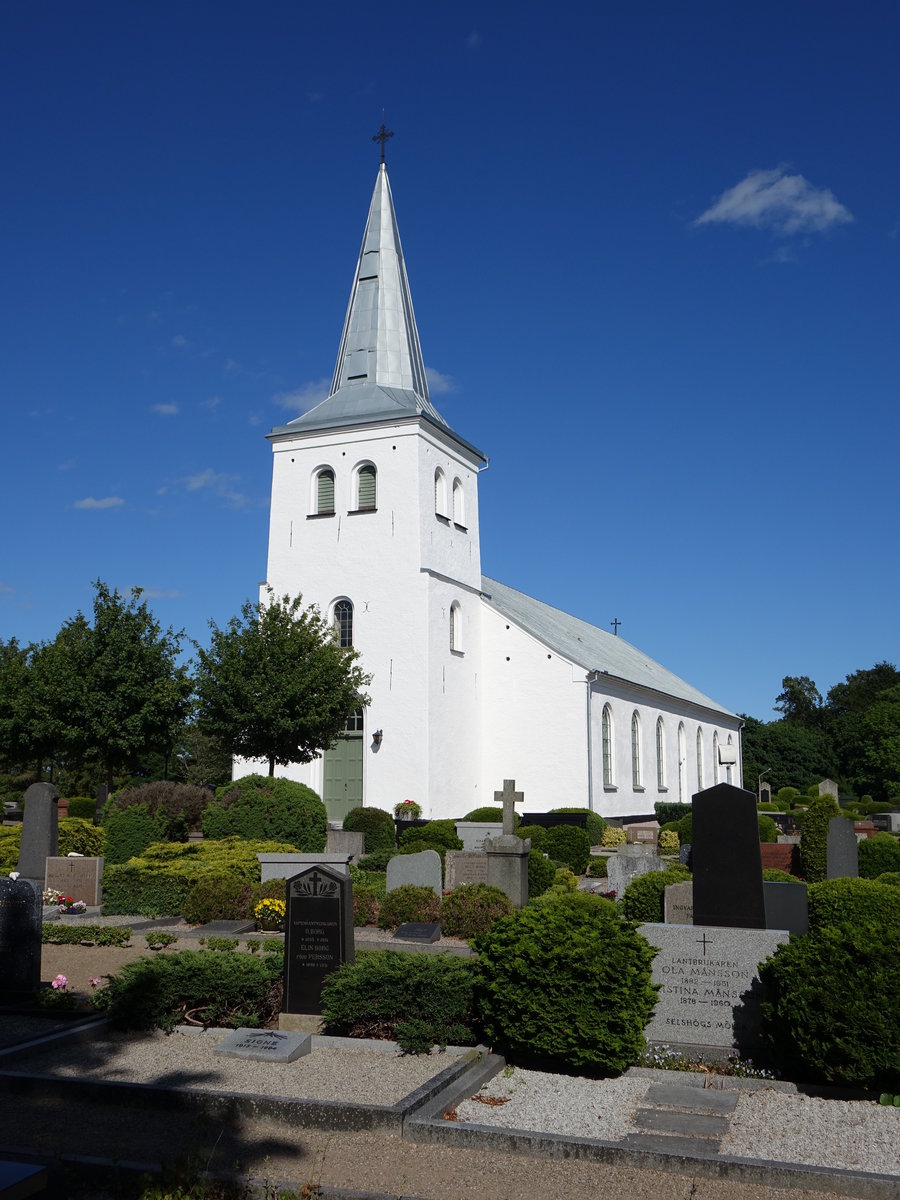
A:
{"x": 82, "y": 806}
{"x": 490, "y": 813}
{"x": 377, "y": 825}
{"x": 878, "y": 854}
{"x": 596, "y": 868}
{"x": 472, "y": 909}
{"x": 891, "y": 878}
{"x": 594, "y": 826}
{"x": 214, "y": 989}
{"x": 613, "y": 835}
{"x": 541, "y": 872}
{"x": 372, "y": 881}
{"x": 670, "y": 811}
{"x": 260, "y": 807}
{"x": 814, "y": 837}
{"x": 537, "y": 833}
{"x": 129, "y": 831}
{"x": 218, "y": 898}
{"x": 669, "y": 841}
{"x": 377, "y": 861}
{"x": 768, "y": 830}
{"x": 408, "y": 903}
{"x": 181, "y": 804}
{"x": 366, "y": 906}
{"x": 10, "y": 841}
{"x": 570, "y": 845}
{"x": 853, "y": 902}
{"x": 80, "y": 836}
{"x": 84, "y": 935}
{"x": 773, "y": 875}
{"x": 644, "y": 898}
{"x": 832, "y": 1007}
{"x": 786, "y": 797}
{"x": 566, "y": 982}
{"x": 417, "y": 999}
{"x": 436, "y": 835}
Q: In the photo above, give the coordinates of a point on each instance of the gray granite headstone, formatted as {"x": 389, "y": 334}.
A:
{"x": 678, "y": 903}
{"x": 842, "y": 853}
{"x": 285, "y": 866}
{"x": 711, "y": 991}
{"x": 507, "y": 869}
{"x": 422, "y": 869}
{"x": 828, "y": 788}
{"x": 318, "y": 934}
{"x": 76, "y": 877}
{"x": 686, "y": 855}
{"x": 40, "y": 831}
{"x": 628, "y": 863}
{"x": 265, "y": 1045}
{"x": 473, "y": 833}
{"x": 21, "y": 908}
{"x": 464, "y": 866}
{"x": 346, "y": 842}
{"x": 787, "y": 906}
{"x": 727, "y": 862}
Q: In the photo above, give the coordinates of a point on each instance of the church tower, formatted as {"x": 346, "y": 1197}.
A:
{"x": 374, "y": 518}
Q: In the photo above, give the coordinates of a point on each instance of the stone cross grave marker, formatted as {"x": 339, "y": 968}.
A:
{"x": 318, "y": 934}
{"x": 40, "y": 831}
{"x": 509, "y": 797}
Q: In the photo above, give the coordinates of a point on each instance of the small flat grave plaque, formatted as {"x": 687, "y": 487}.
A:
{"x": 418, "y": 931}
{"x": 265, "y": 1045}
{"x": 226, "y": 928}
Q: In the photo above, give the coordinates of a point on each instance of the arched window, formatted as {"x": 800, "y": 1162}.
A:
{"x": 606, "y": 726}
{"x": 365, "y": 488}
{"x": 456, "y": 627}
{"x": 325, "y": 492}
{"x": 699, "y": 758}
{"x": 343, "y": 622}
{"x": 728, "y": 765}
{"x": 440, "y": 493}
{"x": 682, "y": 765}
{"x": 716, "y": 756}
{"x": 660, "y": 754}
{"x": 459, "y": 503}
{"x": 635, "y": 749}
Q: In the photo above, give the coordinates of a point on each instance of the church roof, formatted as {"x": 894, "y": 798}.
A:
{"x": 589, "y": 647}
{"x": 379, "y": 373}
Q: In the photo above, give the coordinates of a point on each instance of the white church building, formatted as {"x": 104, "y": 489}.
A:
{"x": 374, "y": 518}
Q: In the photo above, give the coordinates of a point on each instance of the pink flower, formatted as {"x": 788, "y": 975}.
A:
{"x": 59, "y": 983}
{"x": 95, "y": 982}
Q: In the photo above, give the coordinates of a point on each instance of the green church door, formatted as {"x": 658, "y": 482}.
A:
{"x": 343, "y": 771}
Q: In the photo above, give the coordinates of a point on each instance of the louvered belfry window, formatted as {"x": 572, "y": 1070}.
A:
{"x": 325, "y": 492}
{"x": 366, "y": 488}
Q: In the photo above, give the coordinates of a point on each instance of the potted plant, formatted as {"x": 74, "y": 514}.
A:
{"x": 407, "y": 810}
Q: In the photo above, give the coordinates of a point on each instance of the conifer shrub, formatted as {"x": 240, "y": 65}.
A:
{"x": 814, "y": 837}
{"x": 80, "y": 836}
{"x": 786, "y": 797}
{"x": 668, "y": 842}
{"x": 597, "y": 867}
{"x": 129, "y": 831}
{"x": 613, "y": 835}
{"x": 537, "y": 833}
{"x": 564, "y": 982}
{"x": 258, "y": 806}
{"x": 890, "y": 879}
{"x": 436, "y": 835}
{"x": 570, "y": 845}
{"x": 670, "y": 811}
{"x": 489, "y": 813}
{"x": 541, "y": 872}
{"x": 377, "y": 861}
{"x": 408, "y": 903}
{"x": 472, "y": 909}
{"x": 856, "y": 903}
{"x": 644, "y": 898}
{"x": 82, "y": 806}
{"x": 832, "y": 1007}
{"x": 218, "y": 898}
{"x": 774, "y": 875}
{"x": 877, "y": 855}
{"x": 377, "y": 825}
{"x": 768, "y": 830}
{"x": 594, "y": 824}
{"x": 366, "y": 906}
{"x": 181, "y": 804}
{"x": 418, "y": 1000}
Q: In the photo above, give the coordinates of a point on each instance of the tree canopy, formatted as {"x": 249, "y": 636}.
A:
{"x": 276, "y": 684}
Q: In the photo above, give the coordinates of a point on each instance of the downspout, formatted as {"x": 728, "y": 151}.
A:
{"x": 590, "y": 678}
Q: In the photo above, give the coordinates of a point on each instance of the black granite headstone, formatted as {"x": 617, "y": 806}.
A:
{"x": 318, "y": 934}
{"x": 21, "y": 908}
{"x": 418, "y": 931}
{"x": 787, "y": 906}
{"x": 727, "y": 863}
{"x": 102, "y": 797}
{"x": 40, "y": 831}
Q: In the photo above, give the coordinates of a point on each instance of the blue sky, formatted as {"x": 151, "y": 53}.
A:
{"x": 653, "y": 251}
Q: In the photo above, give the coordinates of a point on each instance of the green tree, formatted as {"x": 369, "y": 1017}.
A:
{"x": 789, "y": 753}
{"x": 13, "y": 677}
{"x": 276, "y": 684}
{"x": 862, "y": 717}
{"x": 800, "y": 700}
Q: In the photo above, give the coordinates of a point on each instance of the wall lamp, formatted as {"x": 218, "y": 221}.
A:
{"x": 377, "y": 737}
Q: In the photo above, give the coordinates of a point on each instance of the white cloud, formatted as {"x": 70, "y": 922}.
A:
{"x": 165, "y": 410}
{"x": 104, "y": 502}
{"x": 4, "y": 587}
{"x": 152, "y": 593}
{"x": 216, "y": 482}
{"x": 212, "y": 402}
{"x": 438, "y": 382}
{"x": 775, "y": 200}
{"x": 305, "y": 397}
{"x": 67, "y": 465}
{"x": 180, "y": 341}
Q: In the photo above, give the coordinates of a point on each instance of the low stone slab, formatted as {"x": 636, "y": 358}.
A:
{"x": 685, "y": 1124}
{"x": 418, "y": 870}
{"x": 418, "y": 931}
{"x": 285, "y": 866}
{"x": 464, "y": 866}
{"x": 76, "y": 877}
{"x": 690, "y": 1098}
{"x": 265, "y": 1045}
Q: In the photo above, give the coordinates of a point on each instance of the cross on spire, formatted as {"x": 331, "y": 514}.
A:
{"x": 382, "y": 136}
{"x": 615, "y": 622}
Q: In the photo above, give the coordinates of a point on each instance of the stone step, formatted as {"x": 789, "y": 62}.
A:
{"x": 685, "y": 1146}
{"x": 687, "y": 1124}
{"x": 690, "y": 1098}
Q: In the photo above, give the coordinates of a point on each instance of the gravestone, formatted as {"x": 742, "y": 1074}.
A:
{"x": 787, "y": 906}
{"x": 887, "y": 822}
{"x": 642, "y": 831}
{"x": 21, "y": 907}
{"x": 318, "y": 934}
{"x": 628, "y": 863}
{"x": 102, "y": 797}
{"x": 40, "y": 832}
{"x": 265, "y": 1045}
{"x": 842, "y": 849}
{"x": 418, "y": 870}
{"x": 463, "y": 866}
{"x": 473, "y": 833}
{"x": 765, "y": 793}
{"x": 678, "y": 903}
{"x": 711, "y": 992}
{"x": 686, "y": 855}
{"x": 828, "y": 788}
{"x": 727, "y": 864}
{"x": 507, "y": 866}
{"x": 76, "y": 877}
{"x": 418, "y": 931}
{"x": 509, "y": 798}
{"x": 346, "y": 843}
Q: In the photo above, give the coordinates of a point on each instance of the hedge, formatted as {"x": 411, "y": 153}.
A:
{"x": 76, "y": 835}
{"x": 377, "y": 826}
{"x": 853, "y": 902}
{"x": 644, "y": 898}
{"x": 814, "y": 838}
{"x": 878, "y": 854}
{"x": 181, "y": 804}
{"x": 258, "y": 806}
{"x": 62, "y": 933}
{"x": 594, "y": 825}
{"x": 129, "y": 831}
{"x": 570, "y": 845}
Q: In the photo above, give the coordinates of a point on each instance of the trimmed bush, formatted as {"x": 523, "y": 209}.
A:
{"x": 570, "y": 845}
{"x": 644, "y": 898}
{"x": 218, "y": 898}
{"x": 490, "y": 813}
{"x": 82, "y": 806}
{"x": 670, "y": 811}
{"x": 58, "y": 932}
{"x": 80, "y": 836}
{"x": 408, "y": 903}
{"x": 814, "y": 837}
{"x": 853, "y": 902}
{"x": 261, "y": 807}
{"x": 436, "y": 835}
{"x": 212, "y": 989}
{"x": 669, "y": 841}
{"x": 565, "y": 982}
{"x": 417, "y": 999}
{"x": 786, "y": 797}
{"x": 377, "y": 825}
{"x": 541, "y": 872}
{"x": 181, "y": 804}
{"x": 773, "y": 875}
{"x": 366, "y": 906}
{"x": 377, "y": 861}
{"x": 472, "y": 909}
{"x": 537, "y": 833}
{"x": 878, "y": 854}
{"x": 594, "y": 826}
{"x": 891, "y": 878}
{"x": 613, "y": 835}
{"x": 768, "y": 830}
{"x": 597, "y": 868}
{"x": 832, "y": 1007}
{"x": 129, "y": 831}
{"x": 372, "y": 881}
{"x": 10, "y": 841}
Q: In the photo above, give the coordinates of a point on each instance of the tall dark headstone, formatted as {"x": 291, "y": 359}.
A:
{"x": 842, "y": 850}
{"x": 728, "y": 884}
{"x": 21, "y": 906}
{"x": 102, "y": 797}
{"x": 318, "y": 934}
{"x": 40, "y": 832}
